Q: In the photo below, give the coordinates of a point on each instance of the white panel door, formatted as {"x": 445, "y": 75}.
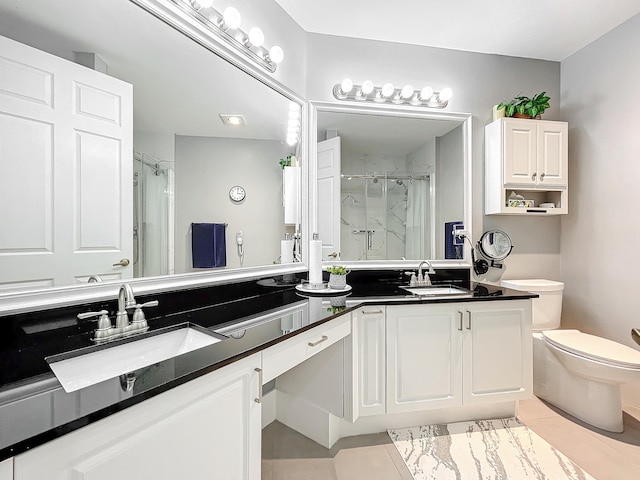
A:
{"x": 497, "y": 351}
{"x": 369, "y": 362}
{"x": 424, "y": 357}
{"x": 553, "y": 154}
{"x": 65, "y": 171}
{"x": 208, "y": 428}
{"x": 520, "y": 143}
{"x": 329, "y": 161}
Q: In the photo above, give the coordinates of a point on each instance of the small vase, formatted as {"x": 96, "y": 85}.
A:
{"x": 521, "y": 115}
{"x": 338, "y": 282}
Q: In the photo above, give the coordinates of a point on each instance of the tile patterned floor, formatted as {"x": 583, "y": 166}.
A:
{"x": 287, "y": 455}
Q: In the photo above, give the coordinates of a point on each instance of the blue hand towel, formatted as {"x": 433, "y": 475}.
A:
{"x": 208, "y": 245}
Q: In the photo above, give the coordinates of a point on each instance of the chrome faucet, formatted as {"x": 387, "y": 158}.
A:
{"x": 125, "y": 300}
{"x": 424, "y": 280}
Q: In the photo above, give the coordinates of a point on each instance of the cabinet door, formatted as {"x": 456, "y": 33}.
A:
{"x": 368, "y": 355}
{"x": 520, "y": 144}
{"x": 423, "y": 357}
{"x": 553, "y": 154}
{"x": 6, "y": 469}
{"x": 207, "y": 428}
{"x": 497, "y": 351}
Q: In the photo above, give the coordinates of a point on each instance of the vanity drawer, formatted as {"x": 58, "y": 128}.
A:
{"x": 281, "y": 357}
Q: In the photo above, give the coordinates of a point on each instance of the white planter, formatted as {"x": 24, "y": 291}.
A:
{"x": 337, "y": 281}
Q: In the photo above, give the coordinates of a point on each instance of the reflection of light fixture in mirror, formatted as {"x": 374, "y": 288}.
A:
{"x": 293, "y": 130}
{"x": 233, "y": 120}
{"x": 405, "y": 96}
{"x": 221, "y": 25}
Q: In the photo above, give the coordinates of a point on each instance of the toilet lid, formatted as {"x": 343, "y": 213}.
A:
{"x": 593, "y": 347}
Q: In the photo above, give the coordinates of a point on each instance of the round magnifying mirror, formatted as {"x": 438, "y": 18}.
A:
{"x": 495, "y": 245}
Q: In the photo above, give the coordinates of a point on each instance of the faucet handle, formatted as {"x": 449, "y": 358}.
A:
{"x": 104, "y": 330}
{"x": 139, "y": 321}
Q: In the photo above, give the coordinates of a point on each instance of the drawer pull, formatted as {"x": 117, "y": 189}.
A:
{"x": 469, "y": 321}
{"x": 323, "y": 339}
{"x": 259, "y": 399}
{"x": 374, "y": 312}
{"x": 460, "y": 323}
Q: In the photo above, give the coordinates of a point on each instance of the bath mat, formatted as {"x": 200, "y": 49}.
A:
{"x": 484, "y": 449}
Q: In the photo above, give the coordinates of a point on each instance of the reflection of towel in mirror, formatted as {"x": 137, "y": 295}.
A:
{"x": 208, "y": 245}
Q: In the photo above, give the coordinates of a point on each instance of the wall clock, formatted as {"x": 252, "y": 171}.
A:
{"x": 237, "y": 193}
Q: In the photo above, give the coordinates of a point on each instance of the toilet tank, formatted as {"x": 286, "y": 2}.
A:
{"x": 547, "y": 309}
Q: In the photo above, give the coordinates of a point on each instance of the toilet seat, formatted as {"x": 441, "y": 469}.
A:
{"x": 594, "y": 348}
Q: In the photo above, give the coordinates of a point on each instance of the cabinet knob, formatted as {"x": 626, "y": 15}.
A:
{"x": 533, "y": 177}
{"x": 542, "y": 177}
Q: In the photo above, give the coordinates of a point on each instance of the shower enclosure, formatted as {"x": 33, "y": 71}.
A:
{"x": 387, "y": 216}
{"x": 152, "y": 216}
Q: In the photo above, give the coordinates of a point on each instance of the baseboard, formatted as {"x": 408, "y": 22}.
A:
{"x": 631, "y": 394}
{"x": 310, "y": 420}
{"x": 381, "y": 423}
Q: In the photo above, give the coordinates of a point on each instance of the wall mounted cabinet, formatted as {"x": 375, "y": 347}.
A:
{"x": 529, "y": 157}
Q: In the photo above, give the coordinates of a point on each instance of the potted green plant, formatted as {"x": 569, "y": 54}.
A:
{"x": 524, "y": 107}
{"x": 337, "y": 277}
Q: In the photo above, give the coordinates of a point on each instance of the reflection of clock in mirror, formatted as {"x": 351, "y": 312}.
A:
{"x": 237, "y": 193}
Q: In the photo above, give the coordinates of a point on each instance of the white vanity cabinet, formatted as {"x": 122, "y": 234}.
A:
{"x": 6, "y": 469}
{"x": 424, "y": 358}
{"x": 529, "y": 157}
{"x": 209, "y": 427}
{"x": 367, "y": 374}
{"x": 441, "y": 355}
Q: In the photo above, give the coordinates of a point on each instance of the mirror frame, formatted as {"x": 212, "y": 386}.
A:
{"x": 37, "y": 300}
{"x": 394, "y": 112}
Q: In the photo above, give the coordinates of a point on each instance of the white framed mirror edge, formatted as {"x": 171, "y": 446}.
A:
{"x": 43, "y": 299}
{"x": 392, "y": 111}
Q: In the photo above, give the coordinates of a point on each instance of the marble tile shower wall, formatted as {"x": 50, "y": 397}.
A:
{"x": 376, "y": 207}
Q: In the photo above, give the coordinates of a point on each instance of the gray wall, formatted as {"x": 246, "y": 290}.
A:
{"x": 601, "y": 233}
{"x": 206, "y": 168}
{"x": 479, "y": 81}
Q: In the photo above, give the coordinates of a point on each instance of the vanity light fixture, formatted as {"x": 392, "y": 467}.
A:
{"x": 226, "y": 27}
{"x": 407, "y": 95}
{"x": 233, "y": 120}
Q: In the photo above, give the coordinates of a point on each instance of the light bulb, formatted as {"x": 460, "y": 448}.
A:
{"x": 445, "y": 94}
{"x": 387, "y": 90}
{"x": 234, "y": 120}
{"x": 291, "y": 141}
{"x": 293, "y": 122}
{"x": 294, "y": 107}
{"x": 231, "y": 17}
{"x": 256, "y": 37}
{"x": 426, "y": 93}
{"x": 205, "y": 3}
{"x": 346, "y": 85}
{"x": 294, "y": 114}
{"x": 276, "y": 54}
{"x": 367, "y": 87}
{"x": 407, "y": 91}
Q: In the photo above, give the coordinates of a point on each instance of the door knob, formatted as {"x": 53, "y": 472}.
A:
{"x": 334, "y": 255}
{"x": 122, "y": 263}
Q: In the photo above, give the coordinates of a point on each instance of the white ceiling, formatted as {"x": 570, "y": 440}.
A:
{"x": 542, "y": 29}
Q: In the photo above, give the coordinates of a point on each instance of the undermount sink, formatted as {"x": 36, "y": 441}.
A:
{"x": 76, "y": 370}
{"x": 436, "y": 291}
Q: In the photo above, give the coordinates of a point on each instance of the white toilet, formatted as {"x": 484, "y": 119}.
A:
{"x": 577, "y": 372}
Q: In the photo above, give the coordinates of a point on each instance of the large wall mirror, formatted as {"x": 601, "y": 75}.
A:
{"x": 392, "y": 184}
{"x": 186, "y": 157}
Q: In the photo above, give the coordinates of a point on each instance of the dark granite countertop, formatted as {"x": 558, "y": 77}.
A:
{"x": 34, "y": 408}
